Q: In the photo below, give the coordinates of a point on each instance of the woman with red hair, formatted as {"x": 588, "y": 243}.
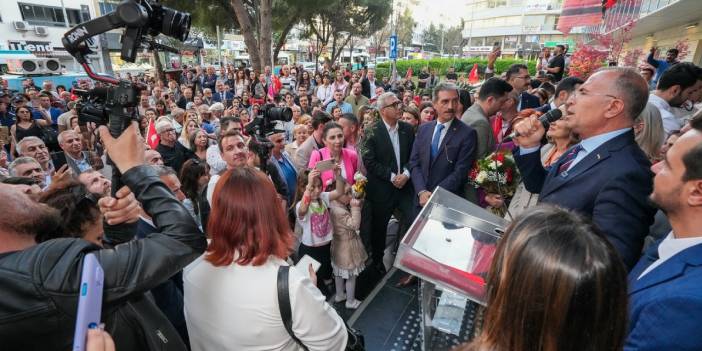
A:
{"x": 231, "y": 296}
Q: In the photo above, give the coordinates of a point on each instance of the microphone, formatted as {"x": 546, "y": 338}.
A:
{"x": 546, "y": 119}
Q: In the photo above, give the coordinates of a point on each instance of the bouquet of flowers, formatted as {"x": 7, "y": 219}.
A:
{"x": 496, "y": 174}
{"x": 358, "y": 190}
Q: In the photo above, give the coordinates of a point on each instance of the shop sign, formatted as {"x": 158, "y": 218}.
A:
{"x": 33, "y": 46}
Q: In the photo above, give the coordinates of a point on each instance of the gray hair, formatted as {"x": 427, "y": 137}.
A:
{"x": 26, "y": 140}
{"x": 632, "y": 88}
{"x": 177, "y": 112}
{"x": 383, "y": 98}
{"x": 651, "y": 136}
{"x": 443, "y": 86}
{"x": 63, "y": 135}
{"x": 164, "y": 171}
{"x": 20, "y": 161}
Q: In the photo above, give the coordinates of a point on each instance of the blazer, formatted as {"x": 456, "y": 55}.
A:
{"x": 366, "y": 87}
{"x": 349, "y": 157}
{"x": 304, "y": 152}
{"x": 475, "y": 118}
{"x": 665, "y": 304}
{"x": 611, "y": 185}
{"x": 449, "y": 169}
{"x": 228, "y": 96}
{"x": 529, "y": 101}
{"x": 380, "y": 162}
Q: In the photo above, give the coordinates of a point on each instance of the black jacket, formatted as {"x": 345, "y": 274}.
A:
{"x": 39, "y": 285}
{"x": 379, "y": 159}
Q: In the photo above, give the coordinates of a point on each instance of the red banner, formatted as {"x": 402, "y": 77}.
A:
{"x": 577, "y": 13}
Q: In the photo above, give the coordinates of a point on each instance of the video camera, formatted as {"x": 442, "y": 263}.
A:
{"x": 143, "y": 20}
{"x": 115, "y": 104}
{"x": 268, "y": 121}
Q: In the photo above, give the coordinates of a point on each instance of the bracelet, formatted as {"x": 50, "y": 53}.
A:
{"x": 306, "y": 199}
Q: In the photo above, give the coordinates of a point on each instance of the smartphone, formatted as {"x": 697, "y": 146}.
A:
{"x": 305, "y": 262}
{"x": 324, "y": 165}
{"x": 496, "y": 45}
{"x": 89, "y": 300}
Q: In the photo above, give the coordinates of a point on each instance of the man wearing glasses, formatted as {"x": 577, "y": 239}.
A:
{"x": 606, "y": 176}
{"x": 385, "y": 152}
{"x": 174, "y": 154}
{"x": 518, "y": 77}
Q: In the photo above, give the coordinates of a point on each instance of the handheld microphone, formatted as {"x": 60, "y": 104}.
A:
{"x": 546, "y": 119}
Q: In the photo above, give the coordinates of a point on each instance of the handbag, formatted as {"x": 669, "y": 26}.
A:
{"x": 355, "y": 341}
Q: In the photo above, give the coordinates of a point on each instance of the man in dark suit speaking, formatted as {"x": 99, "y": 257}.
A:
{"x": 606, "y": 176}
{"x": 385, "y": 152}
{"x": 444, "y": 149}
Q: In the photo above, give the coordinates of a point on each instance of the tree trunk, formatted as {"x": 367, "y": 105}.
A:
{"x": 242, "y": 16}
{"x": 283, "y": 36}
{"x": 266, "y": 32}
{"x": 336, "y": 53}
{"x": 159, "y": 65}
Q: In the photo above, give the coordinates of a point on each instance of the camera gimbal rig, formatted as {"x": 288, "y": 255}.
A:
{"x": 114, "y": 105}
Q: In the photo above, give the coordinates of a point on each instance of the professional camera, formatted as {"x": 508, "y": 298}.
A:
{"x": 269, "y": 120}
{"x": 114, "y": 104}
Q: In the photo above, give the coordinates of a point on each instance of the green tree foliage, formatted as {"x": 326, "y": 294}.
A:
{"x": 442, "y": 64}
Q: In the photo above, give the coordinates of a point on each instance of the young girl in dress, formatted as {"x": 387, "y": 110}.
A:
{"x": 313, "y": 216}
{"x": 347, "y": 251}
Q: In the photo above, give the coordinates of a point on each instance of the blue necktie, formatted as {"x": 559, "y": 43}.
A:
{"x": 435, "y": 140}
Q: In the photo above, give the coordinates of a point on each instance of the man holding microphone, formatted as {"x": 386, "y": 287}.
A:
{"x": 606, "y": 176}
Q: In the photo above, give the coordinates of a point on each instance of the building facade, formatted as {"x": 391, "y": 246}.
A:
{"x": 39, "y": 25}
{"x": 664, "y": 24}
{"x": 519, "y": 27}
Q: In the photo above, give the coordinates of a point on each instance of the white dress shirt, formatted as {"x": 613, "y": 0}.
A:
{"x": 669, "y": 247}
{"x": 395, "y": 140}
{"x": 235, "y": 307}
{"x": 670, "y": 123}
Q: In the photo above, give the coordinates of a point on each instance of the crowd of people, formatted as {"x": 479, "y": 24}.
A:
{"x": 213, "y": 210}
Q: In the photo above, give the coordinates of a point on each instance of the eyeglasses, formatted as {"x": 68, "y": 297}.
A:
{"x": 394, "y": 104}
{"x": 523, "y": 77}
{"x": 168, "y": 131}
{"x": 581, "y": 92}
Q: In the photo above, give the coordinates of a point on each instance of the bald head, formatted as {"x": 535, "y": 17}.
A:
{"x": 152, "y": 157}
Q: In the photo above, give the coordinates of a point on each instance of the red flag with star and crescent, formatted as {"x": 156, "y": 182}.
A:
{"x": 152, "y": 137}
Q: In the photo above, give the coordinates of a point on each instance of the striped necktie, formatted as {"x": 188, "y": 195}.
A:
{"x": 569, "y": 158}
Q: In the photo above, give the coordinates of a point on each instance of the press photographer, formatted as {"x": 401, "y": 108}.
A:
{"x": 41, "y": 282}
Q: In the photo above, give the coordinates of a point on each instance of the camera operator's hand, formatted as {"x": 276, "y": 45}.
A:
{"x": 123, "y": 209}
{"x": 127, "y": 151}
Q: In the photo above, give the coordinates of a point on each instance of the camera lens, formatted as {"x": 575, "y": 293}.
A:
{"x": 175, "y": 24}
{"x": 278, "y": 114}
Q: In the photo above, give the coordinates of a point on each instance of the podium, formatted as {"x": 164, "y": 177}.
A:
{"x": 449, "y": 247}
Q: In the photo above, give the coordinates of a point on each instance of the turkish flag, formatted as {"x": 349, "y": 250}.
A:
{"x": 152, "y": 137}
{"x": 473, "y": 76}
{"x": 409, "y": 73}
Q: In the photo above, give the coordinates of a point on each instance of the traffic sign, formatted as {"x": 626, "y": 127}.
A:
{"x": 393, "y": 46}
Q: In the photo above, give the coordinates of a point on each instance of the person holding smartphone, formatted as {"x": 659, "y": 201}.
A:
{"x": 41, "y": 282}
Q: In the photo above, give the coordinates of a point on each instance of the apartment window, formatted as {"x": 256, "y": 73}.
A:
{"x": 107, "y": 7}
{"x": 49, "y": 15}
{"x": 496, "y": 3}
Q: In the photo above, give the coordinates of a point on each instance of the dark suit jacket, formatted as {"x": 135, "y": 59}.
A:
{"x": 365, "y": 87}
{"x": 450, "y": 167}
{"x": 611, "y": 185}
{"x": 379, "y": 159}
{"x": 529, "y": 101}
{"x": 665, "y": 304}
{"x": 228, "y": 96}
